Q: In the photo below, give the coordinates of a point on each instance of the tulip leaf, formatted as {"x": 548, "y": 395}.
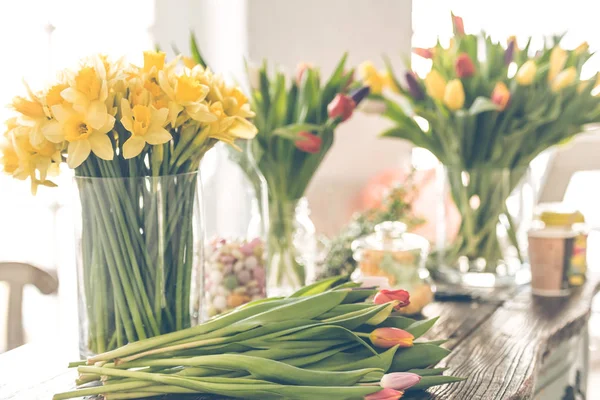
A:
{"x": 319, "y": 355}
{"x": 433, "y": 342}
{"x": 325, "y": 332}
{"x": 418, "y": 357}
{"x": 482, "y": 104}
{"x": 344, "y": 309}
{"x": 355, "y": 319}
{"x": 397, "y": 321}
{"x": 196, "y": 51}
{"x": 428, "y": 371}
{"x": 357, "y": 295}
{"x": 351, "y": 361}
{"x": 320, "y": 286}
{"x": 291, "y": 132}
{"x": 419, "y": 328}
{"x": 429, "y": 381}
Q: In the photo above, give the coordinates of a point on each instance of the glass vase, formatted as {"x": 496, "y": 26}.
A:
{"x": 292, "y": 247}
{"x": 486, "y": 246}
{"x": 236, "y": 200}
{"x": 139, "y": 258}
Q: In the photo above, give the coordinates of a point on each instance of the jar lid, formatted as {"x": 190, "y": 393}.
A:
{"x": 389, "y": 236}
{"x": 558, "y": 218}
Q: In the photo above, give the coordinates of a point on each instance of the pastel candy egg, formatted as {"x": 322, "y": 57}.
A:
{"x": 237, "y": 254}
{"x": 251, "y": 262}
{"x": 238, "y": 266}
{"x": 215, "y": 277}
{"x": 236, "y": 300}
{"x": 258, "y": 273}
{"x": 230, "y": 282}
{"x": 243, "y": 276}
{"x": 222, "y": 290}
{"x": 219, "y": 302}
{"x": 227, "y": 259}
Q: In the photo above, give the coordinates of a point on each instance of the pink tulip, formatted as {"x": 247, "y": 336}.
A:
{"x": 422, "y": 52}
{"x": 341, "y": 106}
{"x": 390, "y": 337}
{"x": 399, "y": 380}
{"x": 387, "y": 296}
{"x": 308, "y": 142}
{"x": 464, "y": 66}
{"x": 458, "y": 25}
{"x": 300, "y": 69}
{"x": 385, "y": 394}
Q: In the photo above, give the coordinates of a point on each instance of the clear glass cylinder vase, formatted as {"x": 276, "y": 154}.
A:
{"x": 482, "y": 239}
{"x": 292, "y": 247}
{"x": 236, "y": 201}
{"x": 139, "y": 257}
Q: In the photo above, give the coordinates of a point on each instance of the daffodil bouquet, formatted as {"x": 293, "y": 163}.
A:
{"x": 135, "y": 137}
{"x": 330, "y": 340}
{"x": 486, "y": 110}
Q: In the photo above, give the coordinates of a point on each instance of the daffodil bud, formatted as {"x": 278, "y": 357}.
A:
{"x": 399, "y": 380}
{"x": 564, "y": 79}
{"x": 435, "y": 85}
{"x": 390, "y": 337}
{"x": 558, "y": 58}
{"x": 526, "y": 73}
{"x": 500, "y": 95}
{"x": 464, "y": 66}
{"x": 454, "y": 95}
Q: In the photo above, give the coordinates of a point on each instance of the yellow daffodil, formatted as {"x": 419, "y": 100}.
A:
{"x": 454, "y": 95}
{"x": 526, "y": 74}
{"x": 582, "y": 48}
{"x": 564, "y": 79}
{"x": 558, "y": 58}
{"x": 88, "y": 92}
{"x": 376, "y": 80}
{"x": 82, "y": 137}
{"x": 146, "y": 125}
{"x": 154, "y": 60}
{"x": 186, "y": 92}
{"x": 435, "y": 85}
{"x": 9, "y": 160}
{"x": 31, "y": 113}
{"x": 189, "y": 62}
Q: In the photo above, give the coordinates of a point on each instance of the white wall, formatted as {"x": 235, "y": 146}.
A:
{"x": 287, "y": 32}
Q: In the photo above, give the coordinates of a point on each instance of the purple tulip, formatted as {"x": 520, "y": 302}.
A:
{"x": 414, "y": 88}
{"x": 509, "y": 53}
{"x": 360, "y": 94}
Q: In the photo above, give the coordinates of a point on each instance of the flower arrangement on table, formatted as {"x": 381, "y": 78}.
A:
{"x": 486, "y": 110}
{"x": 327, "y": 340}
{"x": 135, "y": 137}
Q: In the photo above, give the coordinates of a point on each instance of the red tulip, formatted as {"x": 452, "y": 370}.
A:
{"x": 341, "y": 107}
{"x": 425, "y": 53}
{"x": 464, "y": 66}
{"x": 386, "y": 296}
{"x": 390, "y": 337}
{"x": 308, "y": 142}
{"x": 458, "y": 25}
{"x": 385, "y": 394}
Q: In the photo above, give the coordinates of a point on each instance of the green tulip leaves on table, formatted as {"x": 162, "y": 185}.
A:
{"x": 325, "y": 340}
{"x": 486, "y": 107}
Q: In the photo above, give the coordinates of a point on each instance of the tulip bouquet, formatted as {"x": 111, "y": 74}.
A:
{"x": 135, "y": 137}
{"x": 296, "y": 124}
{"x": 486, "y": 110}
{"x": 327, "y": 340}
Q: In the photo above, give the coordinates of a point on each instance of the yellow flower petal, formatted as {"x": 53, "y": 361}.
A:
{"x": 133, "y": 146}
{"x": 157, "y": 136}
{"x": 243, "y": 129}
{"x": 159, "y": 117}
{"x": 101, "y": 146}
{"x": 96, "y": 114}
{"x": 77, "y": 153}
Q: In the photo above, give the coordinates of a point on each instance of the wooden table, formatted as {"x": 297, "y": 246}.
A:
{"x": 520, "y": 348}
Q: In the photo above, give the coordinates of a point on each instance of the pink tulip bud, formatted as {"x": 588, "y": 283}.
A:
{"x": 385, "y": 394}
{"x": 341, "y": 106}
{"x": 386, "y": 296}
{"x": 308, "y": 142}
{"x": 464, "y": 66}
{"x": 458, "y": 25}
{"x": 500, "y": 95}
{"x": 300, "y": 69}
{"x": 390, "y": 337}
{"x": 399, "y": 380}
{"x": 422, "y": 52}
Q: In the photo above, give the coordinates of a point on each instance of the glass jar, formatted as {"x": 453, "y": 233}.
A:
{"x": 398, "y": 256}
{"x": 236, "y": 226}
{"x": 557, "y": 250}
{"x": 482, "y": 239}
{"x": 139, "y": 258}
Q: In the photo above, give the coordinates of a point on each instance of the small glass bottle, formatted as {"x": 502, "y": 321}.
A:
{"x": 398, "y": 256}
{"x": 236, "y": 219}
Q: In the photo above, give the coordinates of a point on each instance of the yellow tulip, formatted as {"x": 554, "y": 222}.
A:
{"x": 597, "y": 81}
{"x": 371, "y": 77}
{"x": 526, "y": 73}
{"x": 454, "y": 96}
{"x": 435, "y": 85}
{"x": 582, "y": 48}
{"x": 558, "y": 58}
{"x": 564, "y": 79}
